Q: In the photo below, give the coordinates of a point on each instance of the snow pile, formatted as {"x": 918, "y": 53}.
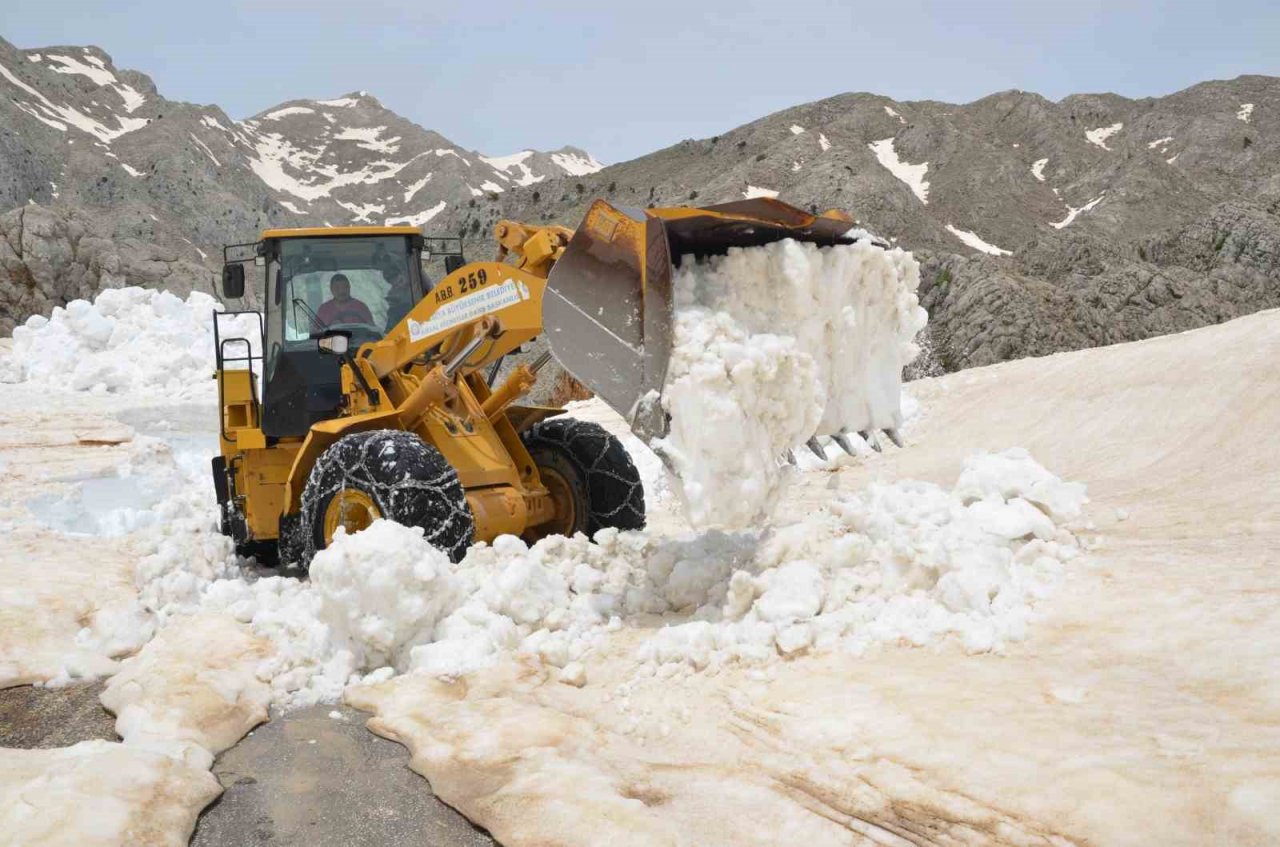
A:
{"x": 907, "y": 562}
{"x": 772, "y": 345}
{"x": 127, "y": 341}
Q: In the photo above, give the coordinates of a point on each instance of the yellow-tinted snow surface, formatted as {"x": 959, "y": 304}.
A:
{"x": 1143, "y": 708}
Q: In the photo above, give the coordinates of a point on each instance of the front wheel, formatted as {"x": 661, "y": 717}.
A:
{"x": 387, "y": 474}
{"x": 583, "y": 460}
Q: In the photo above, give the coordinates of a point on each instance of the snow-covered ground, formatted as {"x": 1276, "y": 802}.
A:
{"x": 892, "y": 658}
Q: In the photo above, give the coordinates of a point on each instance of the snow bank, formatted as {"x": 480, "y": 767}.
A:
{"x": 772, "y": 345}
{"x": 127, "y": 341}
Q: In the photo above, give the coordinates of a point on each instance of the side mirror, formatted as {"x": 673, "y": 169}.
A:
{"x": 335, "y": 342}
{"x": 233, "y": 281}
{"x": 452, "y": 263}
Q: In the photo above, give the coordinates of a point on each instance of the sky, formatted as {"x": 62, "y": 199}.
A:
{"x": 622, "y": 79}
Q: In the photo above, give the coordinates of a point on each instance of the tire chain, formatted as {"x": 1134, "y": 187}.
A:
{"x": 613, "y": 483}
{"x": 411, "y": 484}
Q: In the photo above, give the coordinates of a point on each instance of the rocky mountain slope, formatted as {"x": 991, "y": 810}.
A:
{"x": 1042, "y": 226}
{"x": 103, "y": 180}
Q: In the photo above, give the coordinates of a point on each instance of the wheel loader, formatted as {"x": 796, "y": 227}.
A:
{"x": 370, "y": 390}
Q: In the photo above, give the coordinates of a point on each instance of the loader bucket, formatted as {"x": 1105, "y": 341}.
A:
{"x": 608, "y": 307}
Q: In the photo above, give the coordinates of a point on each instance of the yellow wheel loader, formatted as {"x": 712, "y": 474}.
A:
{"x": 369, "y": 391}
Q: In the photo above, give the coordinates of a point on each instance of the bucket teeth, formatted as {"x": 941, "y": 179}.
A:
{"x": 894, "y": 437}
{"x": 869, "y": 436}
{"x": 816, "y": 446}
{"x": 842, "y": 439}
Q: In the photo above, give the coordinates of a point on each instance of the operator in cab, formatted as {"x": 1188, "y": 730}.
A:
{"x": 342, "y": 308}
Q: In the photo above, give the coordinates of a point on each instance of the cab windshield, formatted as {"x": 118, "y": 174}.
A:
{"x": 361, "y": 285}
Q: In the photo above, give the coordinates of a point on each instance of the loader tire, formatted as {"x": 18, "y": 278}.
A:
{"x": 614, "y": 492}
{"x": 388, "y": 474}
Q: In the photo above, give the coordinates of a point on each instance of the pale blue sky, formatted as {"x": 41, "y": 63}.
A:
{"x": 624, "y": 78}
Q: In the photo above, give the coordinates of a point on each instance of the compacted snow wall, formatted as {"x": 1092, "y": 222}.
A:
{"x": 775, "y": 344}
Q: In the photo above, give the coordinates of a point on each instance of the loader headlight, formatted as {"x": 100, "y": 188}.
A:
{"x": 335, "y": 344}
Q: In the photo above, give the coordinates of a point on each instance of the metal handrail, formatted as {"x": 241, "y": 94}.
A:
{"x": 219, "y": 347}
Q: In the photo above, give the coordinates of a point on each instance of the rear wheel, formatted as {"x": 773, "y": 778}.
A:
{"x": 609, "y": 492}
{"x": 384, "y": 474}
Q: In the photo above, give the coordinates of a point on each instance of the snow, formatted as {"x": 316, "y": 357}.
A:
{"x": 740, "y": 392}
{"x": 95, "y": 69}
{"x": 419, "y": 219}
{"x": 369, "y": 138}
{"x": 1072, "y": 212}
{"x": 340, "y": 103}
{"x": 910, "y": 175}
{"x": 415, "y": 187}
{"x": 823, "y": 142}
{"x": 516, "y": 161}
{"x": 277, "y": 157}
{"x": 796, "y": 129}
{"x": 291, "y": 207}
{"x": 56, "y": 116}
{"x": 206, "y": 150}
{"x": 893, "y": 114}
{"x": 976, "y": 242}
{"x": 755, "y": 191}
{"x": 107, "y": 346}
{"x": 1100, "y": 135}
{"x": 490, "y": 185}
{"x": 1160, "y": 142}
{"x": 1037, "y": 168}
{"x": 446, "y": 151}
{"x": 575, "y": 165}
{"x": 286, "y": 111}
{"x": 131, "y": 171}
{"x": 1246, "y": 112}
{"x": 364, "y": 212}
{"x": 1173, "y": 158}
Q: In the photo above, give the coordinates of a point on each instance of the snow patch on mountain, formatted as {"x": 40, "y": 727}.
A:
{"x": 976, "y": 242}
{"x": 1072, "y": 212}
{"x": 910, "y": 175}
{"x": 1246, "y": 112}
{"x": 1100, "y": 135}
{"x": 1037, "y": 168}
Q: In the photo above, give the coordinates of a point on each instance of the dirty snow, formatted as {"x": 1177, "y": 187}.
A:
{"x": 1100, "y": 135}
{"x": 740, "y": 392}
{"x": 1037, "y": 168}
{"x": 1072, "y": 211}
{"x": 1246, "y": 112}
{"x": 976, "y": 242}
{"x": 910, "y": 175}
{"x": 796, "y": 129}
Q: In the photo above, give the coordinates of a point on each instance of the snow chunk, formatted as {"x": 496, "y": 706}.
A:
{"x": 754, "y": 191}
{"x": 1072, "y": 211}
{"x": 1037, "y": 168}
{"x": 286, "y": 111}
{"x": 976, "y": 242}
{"x": 740, "y": 393}
{"x": 796, "y": 129}
{"x": 1100, "y": 135}
{"x": 1246, "y": 112}
{"x": 575, "y": 165}
{"x": 911, "y": 175}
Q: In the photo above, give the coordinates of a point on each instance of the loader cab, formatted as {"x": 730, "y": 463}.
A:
{"x": 359, "y": 280}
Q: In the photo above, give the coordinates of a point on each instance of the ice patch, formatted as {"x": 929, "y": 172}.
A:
{"x": 1100, "y": 135}
{"x": 1072, "y": 212}
{"x": 974, "y": 241}
{"x": 911, "y": 175}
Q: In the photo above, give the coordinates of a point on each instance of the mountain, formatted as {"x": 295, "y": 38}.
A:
{"x": 103, "y": 180}
{"x": 1041, "y": 226}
